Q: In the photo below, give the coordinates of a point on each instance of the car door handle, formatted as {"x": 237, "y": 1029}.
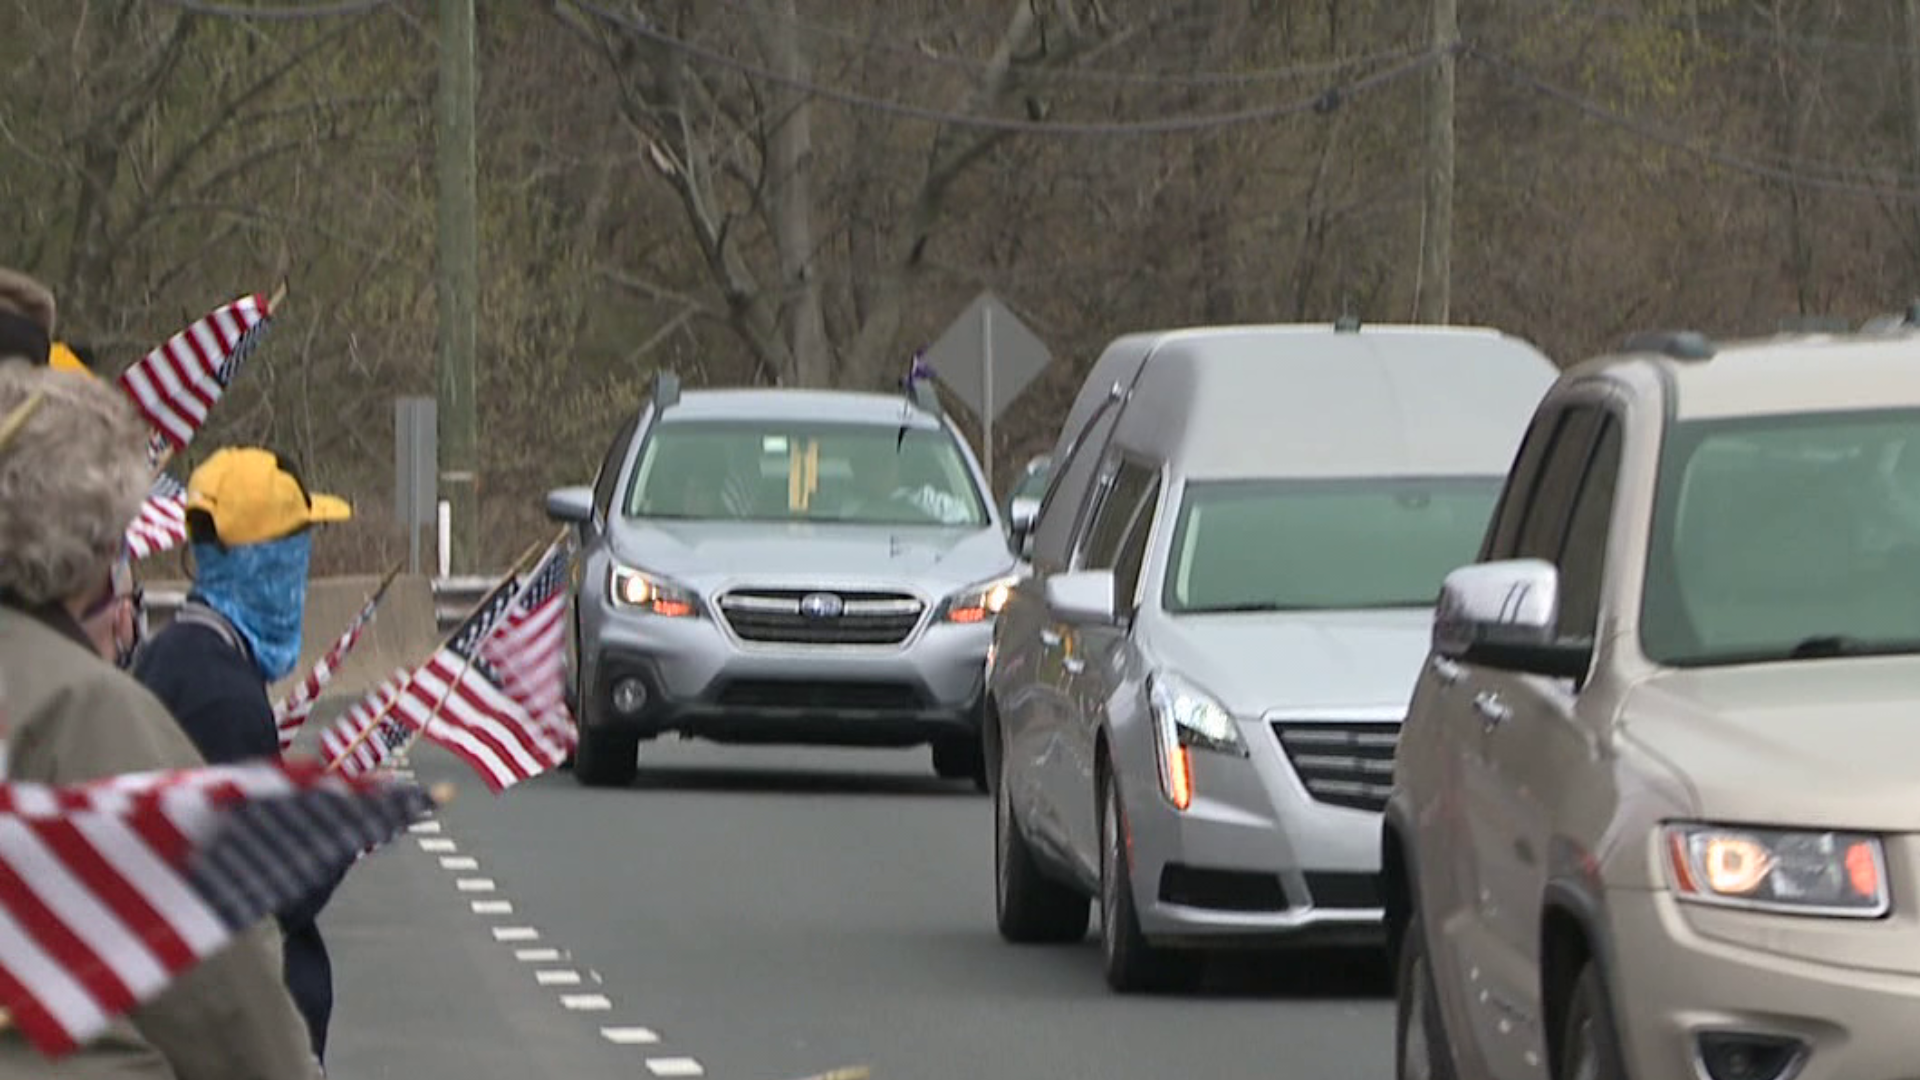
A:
{"x": 1446, "y": 670}
{"x": 1491, "y": 708}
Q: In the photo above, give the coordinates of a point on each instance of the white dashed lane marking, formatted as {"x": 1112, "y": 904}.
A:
{"x": 630, "y": 1036}
{"x": 549, "y": 977}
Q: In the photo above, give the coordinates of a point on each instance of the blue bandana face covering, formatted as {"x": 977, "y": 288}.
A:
{"x": 262, "y": 590}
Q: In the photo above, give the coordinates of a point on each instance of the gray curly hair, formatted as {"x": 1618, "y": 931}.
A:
{"x": 71, "y": 480}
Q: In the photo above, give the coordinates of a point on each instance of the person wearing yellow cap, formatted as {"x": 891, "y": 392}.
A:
{"x": 250, "y": 521}
{"x": 66, "y": 356}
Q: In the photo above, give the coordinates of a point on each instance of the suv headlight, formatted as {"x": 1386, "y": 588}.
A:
{"x": 1185, "y": 716}
{"x": 1801, "y": 873}
{"x": 978, "y": 603}
{"x": 630, "y": 588}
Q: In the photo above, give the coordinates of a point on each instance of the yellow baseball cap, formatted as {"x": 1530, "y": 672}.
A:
{"x": 62, "y": 358}
{"x": 253, "y": 498}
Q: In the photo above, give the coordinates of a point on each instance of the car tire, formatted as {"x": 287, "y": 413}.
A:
{"x": 960, "y": 758}
{"x": 1421, "y": 1050}
{"x": 606, "y": 757}
{"x": 1131, "y": 963}
{"x": 1589, "y": 1041}
{"x": 1030, "y": 908}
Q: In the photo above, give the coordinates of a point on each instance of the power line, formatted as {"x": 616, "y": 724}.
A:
{"x": 1325, "y": 101}
{"x": 278, "y": 14}
{"x": 1068, "y": 74}
{"x": 1580, "y": 102}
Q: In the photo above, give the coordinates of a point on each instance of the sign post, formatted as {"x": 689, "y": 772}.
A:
{"x": 415, "y": 471}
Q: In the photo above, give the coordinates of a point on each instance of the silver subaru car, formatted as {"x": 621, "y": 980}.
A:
{"x": 783, "y": 566}
{"x": 1193, "y": 702}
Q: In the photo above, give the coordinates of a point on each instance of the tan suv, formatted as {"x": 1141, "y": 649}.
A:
{"x": 1656, "y": 805}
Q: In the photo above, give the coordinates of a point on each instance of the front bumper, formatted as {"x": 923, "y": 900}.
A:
{"x": 1254, "y": 860}
{"x": 1670, "y": 983}
{"x": 701, "y": 681}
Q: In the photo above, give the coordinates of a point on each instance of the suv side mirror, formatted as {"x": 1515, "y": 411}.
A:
{"x": 1505, "y": 615}
{"x": 1082, "y": 597}
{"x": 573, "y": 505}
{"x": 1022, "y": 513}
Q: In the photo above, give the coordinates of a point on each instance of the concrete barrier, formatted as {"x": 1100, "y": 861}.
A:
{"x": 404, "y": 631}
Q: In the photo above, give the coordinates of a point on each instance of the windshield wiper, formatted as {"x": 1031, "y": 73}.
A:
{"x": 1821, "y": 646}
{"x": 1243, "y": 607}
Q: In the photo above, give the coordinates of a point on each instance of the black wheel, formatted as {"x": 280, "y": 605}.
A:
{"x": 1031, "y": 908}
{"x": 960, "y": 758}
{"x": 606, "y": 757}
{"x": 1420, "y": 1047}
{"x": 1132, "y": 964}
{"x": 1589, "y": 1042}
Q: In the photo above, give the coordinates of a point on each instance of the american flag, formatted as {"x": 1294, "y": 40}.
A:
{"x": 177, "y": 384}
{"x": 111, "y": 889}
{"x": 161, "y": 524}
{"x": 487, "y": 696}
{"x": 354, "y": 750}
{"x": 293, "y": 711}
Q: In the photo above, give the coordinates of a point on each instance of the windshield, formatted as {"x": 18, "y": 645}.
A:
{"x": 785, "y": 470}
{"x": 1324, "y": 545}
{"x": 1782, "y": 537}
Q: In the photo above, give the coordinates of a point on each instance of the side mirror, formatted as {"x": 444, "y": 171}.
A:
{"x": 573, "y": 505}
{"x": 1022, "y": 513}
{"x": 1506, "y": 615}
{"x": 1083, "y": 597}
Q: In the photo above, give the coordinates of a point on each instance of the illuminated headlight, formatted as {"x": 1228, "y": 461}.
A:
{"x": 1800, "y": 873}
{"x": 1186, "y": 717}
{"x": 632, "y": 589}
{"x": 978, "y": 603}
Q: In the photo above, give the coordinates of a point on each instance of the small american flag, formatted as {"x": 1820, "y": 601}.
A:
{"x": 490, "y": 696}
{"x": 110, "y": 889}
{"x": 161, "y": 524}
{"x": 293, "y": 711}
{"x": 177, "y": 384}
{"x": 354, "y": 750}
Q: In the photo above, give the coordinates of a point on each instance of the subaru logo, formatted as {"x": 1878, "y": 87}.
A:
{"x": 820, "y": 605}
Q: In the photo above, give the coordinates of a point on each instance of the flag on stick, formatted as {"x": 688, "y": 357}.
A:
{"x": 177, "y": 384}
{"x": 370, "y": 732}
{"x": 110, "y": 889}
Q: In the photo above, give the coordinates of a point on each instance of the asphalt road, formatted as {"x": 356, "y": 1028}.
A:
{"x": 770, "y": 914}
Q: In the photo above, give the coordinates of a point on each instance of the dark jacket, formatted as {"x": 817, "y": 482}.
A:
{"x": 72, "y": 716}
{"x": 205, "y": 674}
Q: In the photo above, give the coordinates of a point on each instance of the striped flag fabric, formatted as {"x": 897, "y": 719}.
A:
{"x": 476, "y": 697}
{"x": 297, "y": 706}
{"x": 351, "y": 747}
{"x": 177, "y": 384}
{"x": 528, "y": 650}
{"x": 111, "y": 889}
{"x": 161, "y": 524}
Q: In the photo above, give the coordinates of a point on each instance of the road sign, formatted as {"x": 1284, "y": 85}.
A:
{"x": 987, "y": 357}
{"x": 415, "y": 471}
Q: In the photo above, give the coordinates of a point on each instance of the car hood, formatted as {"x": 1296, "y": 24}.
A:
{"x": 1257, "y": 662}
{"x": 710, "y": 554}
{"x": 1824, "y": 743}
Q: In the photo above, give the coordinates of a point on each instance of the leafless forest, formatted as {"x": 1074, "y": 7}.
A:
{"x": 805, "y": 191}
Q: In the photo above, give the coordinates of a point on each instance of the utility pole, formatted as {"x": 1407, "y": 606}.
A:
{"x": 1912, "y": 60}
{"x": 1435, "y": 294}
{"x": 458, "y": 285}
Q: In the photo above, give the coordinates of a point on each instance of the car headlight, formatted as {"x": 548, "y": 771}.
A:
{"x": 1185, "y": 716}
{"x": 656, "y": 596}
{"x": 978, "y": 603}
{"x": 1795, "y": 872}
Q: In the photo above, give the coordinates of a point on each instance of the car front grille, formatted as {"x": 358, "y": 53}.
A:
{"x": 779, "y": 616}
{"x": 819, "y": 695}
{"x": 1345, "y": 763}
